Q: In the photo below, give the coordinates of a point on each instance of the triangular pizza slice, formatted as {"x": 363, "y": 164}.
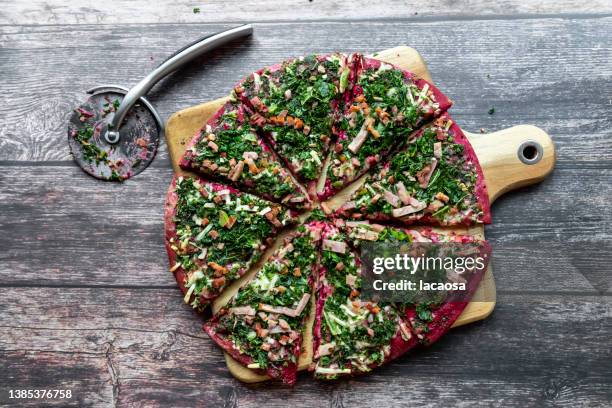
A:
{"x": 262, "y": 325}
{"x": 214, "y": 233}
{"x": 295, "y": 105}
{"x": 229, "y": 149}
{"x": 388, "y": 104}
{"x": 432, "y": 318}
{"x": 435, "y": 179}
{"x": 352, "y": 335}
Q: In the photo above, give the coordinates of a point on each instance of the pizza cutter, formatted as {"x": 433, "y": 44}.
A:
{"x": 114, "y": 135}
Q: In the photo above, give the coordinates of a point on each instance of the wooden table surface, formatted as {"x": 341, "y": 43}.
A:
{"x": 86, "y": 299}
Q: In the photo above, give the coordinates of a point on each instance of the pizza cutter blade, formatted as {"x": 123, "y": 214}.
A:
{"x": 114, "y": 135}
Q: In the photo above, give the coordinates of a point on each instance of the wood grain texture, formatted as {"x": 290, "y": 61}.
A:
{"x": 151, "y": 352}
{"x": 60, "y": 227}
{"x": 115, "y": 330}
{"x": 182, "y": 11}
{"x": 46, "y": 73}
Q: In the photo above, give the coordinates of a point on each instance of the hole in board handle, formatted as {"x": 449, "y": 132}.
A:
{"x": 530, "y": 152}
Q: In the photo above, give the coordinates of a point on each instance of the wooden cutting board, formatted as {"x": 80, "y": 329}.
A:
{"x": 499, "y": 153}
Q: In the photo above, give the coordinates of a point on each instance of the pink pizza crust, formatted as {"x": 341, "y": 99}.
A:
{"x": 170, "y": 231}
{"x": 364, "y": 63}
{"x": 288, "y": 373}
{"x": 444, "y": 102}
{"x": 448, "y": 312}
{"x": 398, "y": 345}
{"x": 186, "y": 162}
{"x": 481, "y": 193}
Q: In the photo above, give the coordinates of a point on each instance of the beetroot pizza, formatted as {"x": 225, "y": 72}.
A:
{"x": 261, "y": 327}
{"x": 430, "y": 319}
{"x": 435, "y": 179}
{"x": 289, "y": 136}
{"x": 295, "y": 106}
{"x": 352, "y": 334}
{"x": 214, "y": 233}
{"x": 228, "y": 149}
{"x": 386, "y": 106}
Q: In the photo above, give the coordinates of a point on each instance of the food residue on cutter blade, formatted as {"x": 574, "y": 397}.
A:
{"x": 110, "y": 106}
{"x": 121, "y": 168}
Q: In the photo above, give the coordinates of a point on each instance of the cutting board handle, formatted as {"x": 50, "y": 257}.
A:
{"x": 513, "y": 157}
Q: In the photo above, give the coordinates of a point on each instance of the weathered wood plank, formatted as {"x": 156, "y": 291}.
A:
{"x": 59, "y": 226}
{"x": 140, "y": 11}
{"x": 158, "y": 355}
{"x": 86, "y": 375}
{"x": 531, "y": 71}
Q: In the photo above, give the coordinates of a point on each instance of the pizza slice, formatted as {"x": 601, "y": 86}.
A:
{"x": 432, "y": 318}
{"x": 352, "y": 335}
{"x": 262, "y": 325}
{"x": 214, "y": 234}
{"x": 295, "y": 105}
{"x": 435, "y": 179}
{"x": 388, "y": 105}
{"x": 229, "y": 149}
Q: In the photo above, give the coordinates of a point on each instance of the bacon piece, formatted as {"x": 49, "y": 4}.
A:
{"x": 442, "y": 197}
{"x": 366, "y": 234}
{"x": 425, "y": 174}
{"x": 325, "y": 349}
{"x": 356, "y": 143}
{"x": 392, "y": 198}
{"x": 285, "y": 310}
{"x": 409, "y": 209}
{"x": 250, "y": 155}
{"x": 349, "y": 205}
{"x": 334, "y": 246}
{"x": 271, "y": 216}
{"x": 402, "y": 192}
{"x": 213, "y": 146}
{"x": 418, "y": 237}
{"x": 236, "y": 171}
{"x": 252, "y": 166}
{"x": 437, "y": 150}
{"x": 243, "y": 310}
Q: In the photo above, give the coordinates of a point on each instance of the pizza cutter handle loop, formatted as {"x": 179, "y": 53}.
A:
{"x": 174, "y": 62}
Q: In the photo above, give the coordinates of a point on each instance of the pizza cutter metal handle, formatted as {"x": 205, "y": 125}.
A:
{"x": 174, "y": 62}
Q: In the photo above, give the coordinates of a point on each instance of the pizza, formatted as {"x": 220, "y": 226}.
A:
{"x": 295, "y": 106}
{"x": 214, "y": 233}
{"x": 327, "y": 121}
{"x": 352, "y": 335}
{"x": 228, "y": 149}
{"x": 387, "y": 105}
{"x": 261, "y": 327}
{"x": 435, "y": 179}
{"x": 431, "y": 319}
